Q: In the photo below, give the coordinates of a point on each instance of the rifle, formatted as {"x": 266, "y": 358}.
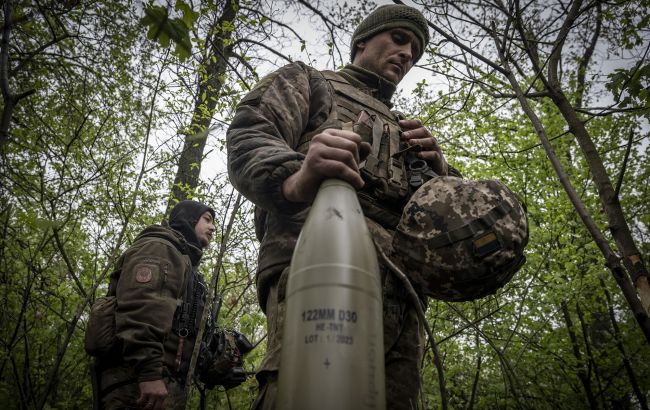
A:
{"x": 211, "y": 323}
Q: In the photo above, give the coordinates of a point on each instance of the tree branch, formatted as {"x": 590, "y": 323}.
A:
{"x": 279, "y": 23}
{"x": 68, "y": 263}
{"x": 462, "y": 46}
{"x": 586, "y": 58}
{"x": 39, "y": 50}
{"x": 621, "y": 174}
{"x": 277, "y": 53}
{"x": 558, "y": 44}
{"x": 470, "y": 324}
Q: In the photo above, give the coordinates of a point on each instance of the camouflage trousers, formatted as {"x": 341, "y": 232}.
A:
{"x": 403, "y": 343}
{"x": 125, "y": 397}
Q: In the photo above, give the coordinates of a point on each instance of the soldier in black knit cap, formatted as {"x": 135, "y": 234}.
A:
{"x": 160, "y": 296}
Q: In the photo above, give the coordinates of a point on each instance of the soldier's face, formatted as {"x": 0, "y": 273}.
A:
{"x": 204, "y": 229}
{"x": 389, "y": 54}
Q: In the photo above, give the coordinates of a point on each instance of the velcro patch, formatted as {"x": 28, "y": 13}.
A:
{"x": 143, "y": 273}
{"x": 486, "y": 244}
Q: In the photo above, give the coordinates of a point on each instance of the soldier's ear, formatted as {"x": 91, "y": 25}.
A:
{"x": 358, "y": 48}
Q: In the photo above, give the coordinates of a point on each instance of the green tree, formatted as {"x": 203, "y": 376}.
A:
{"x": 543, "y": 348}
{"x": 96, "y": 118}
{"x": 75, "y": 175}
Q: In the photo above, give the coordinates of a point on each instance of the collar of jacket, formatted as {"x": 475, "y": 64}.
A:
{"x": 375, "y": 85}
{"x": 176, "y": 238}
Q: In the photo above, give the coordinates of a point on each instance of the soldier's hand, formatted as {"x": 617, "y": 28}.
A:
{"x": 332, "y": 154}
{"x": 415, "y": 133}
{"x": 152, "y": 395}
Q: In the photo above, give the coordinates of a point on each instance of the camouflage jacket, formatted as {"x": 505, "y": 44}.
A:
{"x": 150, "y": 286}
{"x": 269, "y": 136}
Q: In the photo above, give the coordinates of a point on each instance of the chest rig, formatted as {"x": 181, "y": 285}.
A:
{"x": 384, "y": 170}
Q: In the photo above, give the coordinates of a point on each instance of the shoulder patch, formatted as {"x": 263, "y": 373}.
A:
{"x": 143, "y": 273}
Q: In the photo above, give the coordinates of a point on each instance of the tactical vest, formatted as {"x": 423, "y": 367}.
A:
{"x": 386, "y": 176}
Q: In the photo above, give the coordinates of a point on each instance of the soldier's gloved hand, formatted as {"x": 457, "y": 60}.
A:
{"x": 234, "y": 378}
{"x": 415, "y": 133}
{"x": 332, "y": 153}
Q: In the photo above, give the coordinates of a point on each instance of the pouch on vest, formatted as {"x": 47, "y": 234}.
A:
{"x": 100, "y": 332}
{"x": 383, "y": 170}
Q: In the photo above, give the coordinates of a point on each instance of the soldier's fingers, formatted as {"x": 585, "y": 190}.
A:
{"x": 337, "y": 169}
{"x": 349, "y": 159}
{"x": 428, "y": 144}
{"x": 410, "y": 124}
{"x": 349, "y": 135}
{"x": 430, "y": 156}
{"x": 143, "y": 400}
{"x": 436, "y": 160}
{"x": 336, "y": 147}
{"x": 148, "y": 403}
{"x": 418, "y": 133}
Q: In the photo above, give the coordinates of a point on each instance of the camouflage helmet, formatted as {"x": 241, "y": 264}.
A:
{"x": 461, "y": 240}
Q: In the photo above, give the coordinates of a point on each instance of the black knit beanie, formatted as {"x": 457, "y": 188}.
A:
{"x": 184, "y": 217}
{"x": 392, "y": 16}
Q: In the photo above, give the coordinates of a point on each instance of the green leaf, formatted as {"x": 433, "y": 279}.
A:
{"x": 189, "y": 16}
{"x": 165, "y": 30}
{"x": 154, "y": 16}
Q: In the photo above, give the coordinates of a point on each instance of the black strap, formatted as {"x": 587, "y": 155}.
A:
{"x": 471, "y": 228}
{"x": 94, "y": 380}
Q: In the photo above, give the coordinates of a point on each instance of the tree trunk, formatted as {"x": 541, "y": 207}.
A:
{"x": 477, "y": 375}
{"x": 640, "y": 395}
{"x": 612, "y": 261}
{"x": 618, "y": 226}
{"x": 9, "y": 99}
{"x": 210, "y": 81}
{"x": 582, "y": 374}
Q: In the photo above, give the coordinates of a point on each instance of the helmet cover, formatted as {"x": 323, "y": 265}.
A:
{"x": 459, "y": 239}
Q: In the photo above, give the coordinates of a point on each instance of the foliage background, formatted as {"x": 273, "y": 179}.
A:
{"x": 103, "y": 97}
